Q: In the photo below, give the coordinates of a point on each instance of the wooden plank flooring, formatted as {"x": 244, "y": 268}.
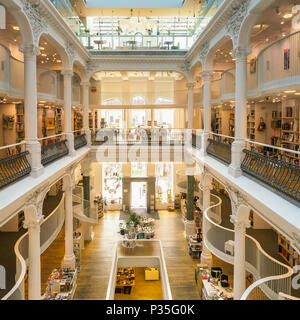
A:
{"x": 97, "y": 258}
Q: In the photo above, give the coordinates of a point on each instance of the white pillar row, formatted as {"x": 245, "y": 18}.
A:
{"x": 69, "y": 257}
{"x": 239, "y": 274}
{"x": 240, "y": 111}
{"x": 85, "y": 103}
{"x": 207, "y": 75}
{"x": 33, "y": 219}
{"x": 190, "y": 86}
{"x": 30, "y": 108}
{"x": 206, "y": 257}
{"x": 68, "y": 109}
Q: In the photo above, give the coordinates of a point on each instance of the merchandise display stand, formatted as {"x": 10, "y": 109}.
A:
{"x": 77, "y": 250}
{"x": 99, "y": 203}
{"x": 61, "y": 284}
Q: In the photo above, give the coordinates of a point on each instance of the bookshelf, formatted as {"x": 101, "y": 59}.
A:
{"x": 90, "y": 120}
{"x": 231, "y": 124}
{"x": 290, "y": 134}
{"x": 96, "y": 120}
{"x": 251, "y": 123}
{"x": 58, "y": 121}
{"x": 218, "y": 121}
{"x": 287, "y": 252}
{"x": 20, "y": 125}
{"x": 78, "y": 121}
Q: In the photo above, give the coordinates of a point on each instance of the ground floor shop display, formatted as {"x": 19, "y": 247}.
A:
{"x": 61, "y": 284}
{"x": 212, "y": 283}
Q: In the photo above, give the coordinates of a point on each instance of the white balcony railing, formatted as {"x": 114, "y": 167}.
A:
{"x": 50, "y": 228}
{"x": 272, "y": 277}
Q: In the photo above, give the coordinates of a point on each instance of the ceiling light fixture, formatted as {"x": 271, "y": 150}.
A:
{"x": 287, "y": 16}
{"x": 16, "y": 28}
{"x": 290, "y": 91}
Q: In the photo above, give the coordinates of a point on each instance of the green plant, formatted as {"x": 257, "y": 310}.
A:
{"x": 133, "y": 219}
{"x": 119, "y": 30}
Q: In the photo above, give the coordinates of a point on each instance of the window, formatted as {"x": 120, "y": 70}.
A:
{"x": 113, "y": 118}
{"x": 112, "y": 183}
{"x": 164, "y": 117}
{"x": 112, "y": 102}
{"x": 164, "y": 182}
{"x": 138, "y": 169}
{"x": 162, "y": 100}
{"x": 137, "y": 118}
{"x": 138, "y": 100}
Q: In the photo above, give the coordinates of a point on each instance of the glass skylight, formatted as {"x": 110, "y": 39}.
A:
{"x": 134, "y": 3}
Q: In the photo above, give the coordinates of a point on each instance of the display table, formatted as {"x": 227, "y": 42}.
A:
{"x": 61, "y": 284}
{"x": 212, "y": 290}
{"x": 125, "y": 280}
{"x": 151, "y": 274}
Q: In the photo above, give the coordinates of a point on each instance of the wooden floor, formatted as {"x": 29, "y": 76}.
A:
{"x": 97, "y": 256}
{"x": 143, "y": 290}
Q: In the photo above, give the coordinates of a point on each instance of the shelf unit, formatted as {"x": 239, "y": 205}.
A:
{"x": 218, "y": 128}
{"x": 77, "y": 250}
{"x": 90, "y": 120}
{"x": 20, "y": 124}
{"x": 58, "y": 120}
{"x": 231, "y": 124}
{"x": 251, "y": 123}
{"x": 78, "y": 121}
{"x": 290, "y": 134}
{"x": 287, "y": 252}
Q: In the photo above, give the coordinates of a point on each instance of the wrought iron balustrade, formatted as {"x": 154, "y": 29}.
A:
{"x": 14, "y": 167}
{"x": 220, "y": 150}
{"x": 80, "y": 141}
{"x": 54, "y": 151}
{"x": 278, "y": 174}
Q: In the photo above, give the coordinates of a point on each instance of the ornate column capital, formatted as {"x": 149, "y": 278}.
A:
{"x": 85, "y": 83}
{"x": 33, "y": 223}
{"x": 207, "y": 75}
{"x": 29, "y": 49}
{"x": 239, "y": 223}
{"x": 190, "y": 85}
{"x": 240, "y": 53}
{"x": 67, "y": 73}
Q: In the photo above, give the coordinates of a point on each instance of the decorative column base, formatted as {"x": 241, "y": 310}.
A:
{"x": 68, "y": 261}
{"x": 236, "y": 158}
{"x": 204, "y": 144}
{"x": 189, "y": 228}
{"x": 70, "y": 143}
{"x": 88, "y": 137}
{"x": 34, "y": 148}
{"x": 206, "y": 258}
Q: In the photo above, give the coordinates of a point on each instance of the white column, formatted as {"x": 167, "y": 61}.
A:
{"x": 30, "y": 108}
{"x": 85, "y": 103}
{"x": 240, "y": 111}
{"x": 69, "y": 258}
{"x": 33, "y": 219}
{"x": 190, "y": 86}
{"x": 239, "y": 274}
{"x": 68, "y": 109}
{"x": 206, "y": 257}
{"x": 206, "y": 109}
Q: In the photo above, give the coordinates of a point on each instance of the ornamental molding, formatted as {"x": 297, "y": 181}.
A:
{"x": 70, "y": 52}
{"x": 237, "y": 198}
{"x": 234, "y": 23}
{"x": 36, "y": 198}
{"x": 204, "y": 49}
{"x": 36, "y": 20}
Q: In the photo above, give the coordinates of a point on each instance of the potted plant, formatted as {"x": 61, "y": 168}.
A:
{"x": 149, "y": 31}
{"x": 119, "y": 30}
